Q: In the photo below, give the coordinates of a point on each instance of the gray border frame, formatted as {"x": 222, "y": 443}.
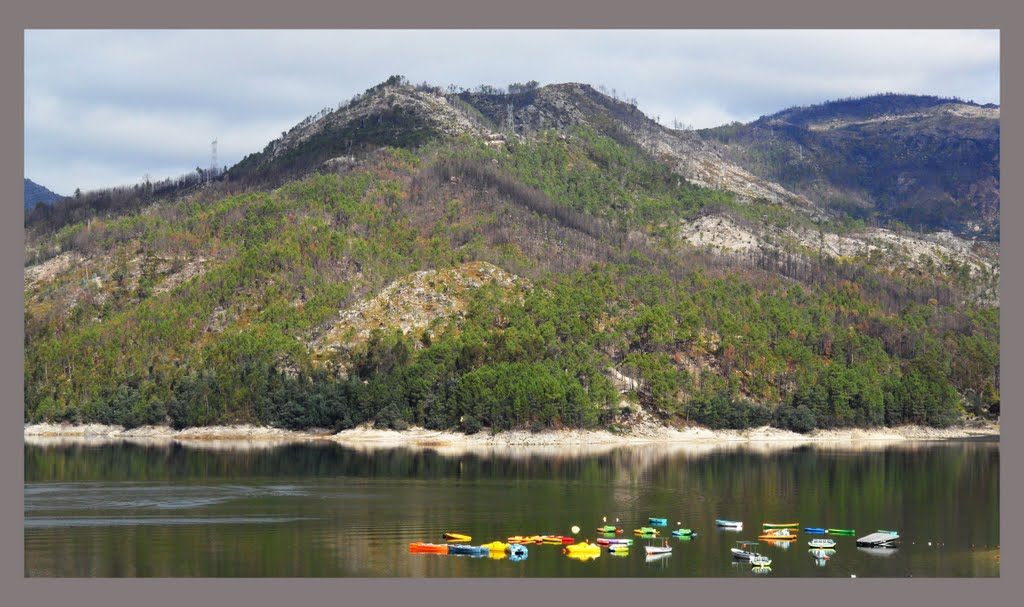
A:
{"x": 469, "y": 14}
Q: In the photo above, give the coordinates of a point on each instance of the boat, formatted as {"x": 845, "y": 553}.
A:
{"x": 760, "y": 560}
{"x": 609, "y": 529}
{"x": 822, "y": 543}
{"x": 661, "y": 522}
{"x": 878, "y": 540}
{"x": 741, "y": 552}
{"x": 814, "y": 530}
{"x": 658, "y": 549}
{"x": 603, "y": 541}
{"x": 778, "y": 535}
{"x": 780, "y": 525}
{"x": 517, "y": 551}
{"x": 423, "y": 547}
{"x": 457, "y": 537}
{"x": 620, "y": 549}
{"x": 556, "y": 539}
{"x": 842, "y": 532}
{"x": 496, "y": 546}
{"x": 683, "y": 532}
{"x": 729, "y": 524}
{"x": 646, "y": 531}
{"x": 520, "y": 539}
{"x": 583, "y": 548}
{"x": 468, "y": 550}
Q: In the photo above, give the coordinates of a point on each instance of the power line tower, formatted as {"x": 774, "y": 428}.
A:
{"x": 213, "y": 160}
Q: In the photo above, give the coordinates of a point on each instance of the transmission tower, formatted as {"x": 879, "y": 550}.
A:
{"x": 213, "y": 160}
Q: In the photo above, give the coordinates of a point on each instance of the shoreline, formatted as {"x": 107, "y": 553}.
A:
{"x": 415, "y": 437}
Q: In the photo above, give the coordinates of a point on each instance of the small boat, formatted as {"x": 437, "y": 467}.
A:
{"x": 556, "y": 539}
{"x": 658, "y": 549}
{"x": 878, "y": 540}
{"x": 741, "y": 552}
{"x": 760, "y": 560}
{"x": 457, "y": 537}
{"x": 603, "y": 541}
{"x": 814, "y": 530}
{"x": 582, "y": 548}
{"x": 467, "y": 550}
{"x": 423, "y": 547}
{"x": 517, "y": 551}
{"x": 683, "y": 532}
{"x": 527, "y": 539}
{"x": 646, "y": 531}
{"x": 620, "y": 549}
{"x": 609, "y": 529}
{"x": 842, "y": 532}
{"x": 780, "y": 525}
{"x": 729, "y": 524}
{"x": 496, "y": 546}
{"x": 778, "y": 535}
{"x": 661, "y": 522}
{"x": 822, "y": 543}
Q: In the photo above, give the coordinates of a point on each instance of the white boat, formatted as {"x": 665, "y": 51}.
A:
{"x": 658, "y": 549}
{"x": 741, "y": 552}
{"x": 822, "y": 543}
{"x": 879, "y": 540}
{"x": 759, "y": 560}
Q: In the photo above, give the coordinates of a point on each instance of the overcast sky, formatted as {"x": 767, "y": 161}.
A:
{"x": 105, "y": 108}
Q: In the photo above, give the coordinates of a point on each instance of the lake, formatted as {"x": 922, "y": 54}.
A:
{"x": 318, "y": 509}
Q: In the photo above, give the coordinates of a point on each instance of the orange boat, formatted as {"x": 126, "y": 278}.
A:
{"x": 425, "y": 548}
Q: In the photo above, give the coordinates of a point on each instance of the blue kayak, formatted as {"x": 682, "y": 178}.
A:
{"x": 466, "y": 549}
{"x": 814, "y": 530}
{"x": 658, "y": 521}
{"x": 516, "y": 552}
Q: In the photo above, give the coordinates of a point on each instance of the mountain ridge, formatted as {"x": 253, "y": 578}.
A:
{"x": 333, "y": 279}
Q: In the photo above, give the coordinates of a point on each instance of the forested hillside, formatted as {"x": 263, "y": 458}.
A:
{"x": 927, "y": 162}
{"x": 406, "y": 261}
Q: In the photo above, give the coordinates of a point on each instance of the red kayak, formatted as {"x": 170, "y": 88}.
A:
{"x": 557, "y": 539}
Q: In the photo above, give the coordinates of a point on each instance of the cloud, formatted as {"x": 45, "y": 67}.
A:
{"x": 102, "y": 107}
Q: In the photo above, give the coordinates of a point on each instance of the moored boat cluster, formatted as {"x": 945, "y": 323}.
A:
{"x": 778, "y": 534}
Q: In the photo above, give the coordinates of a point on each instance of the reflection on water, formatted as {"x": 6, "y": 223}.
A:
{"x": 114, "y": 508}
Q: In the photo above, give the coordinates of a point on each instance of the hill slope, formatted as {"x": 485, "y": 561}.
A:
{"x": 929, "y": 162}
{"x": 432, "y": 269}
{"x": 35, "y": 193}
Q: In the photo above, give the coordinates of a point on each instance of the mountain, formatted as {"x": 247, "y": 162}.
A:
{"x": 548, "y": 258}
{"x": 35, "y": 193}
{"x": 928, "y": 162}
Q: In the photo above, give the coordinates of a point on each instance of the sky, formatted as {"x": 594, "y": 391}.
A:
{"x": 108, "y": 107}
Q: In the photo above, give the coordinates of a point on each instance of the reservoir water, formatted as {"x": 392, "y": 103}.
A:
{"x": 323, "y": 510}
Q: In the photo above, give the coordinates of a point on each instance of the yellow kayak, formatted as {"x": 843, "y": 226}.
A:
{"x": 583, "y": 548}
{"x": 457, "y": 537}
{"x": 496, "y": 546}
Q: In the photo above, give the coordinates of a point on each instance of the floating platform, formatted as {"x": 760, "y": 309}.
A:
{"x": 879, "y": 540}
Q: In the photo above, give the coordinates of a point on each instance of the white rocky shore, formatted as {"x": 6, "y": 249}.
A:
{"x": 365, "y": 436}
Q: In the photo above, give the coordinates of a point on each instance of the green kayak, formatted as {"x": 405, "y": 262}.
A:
{"x": 842, "y": 532}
